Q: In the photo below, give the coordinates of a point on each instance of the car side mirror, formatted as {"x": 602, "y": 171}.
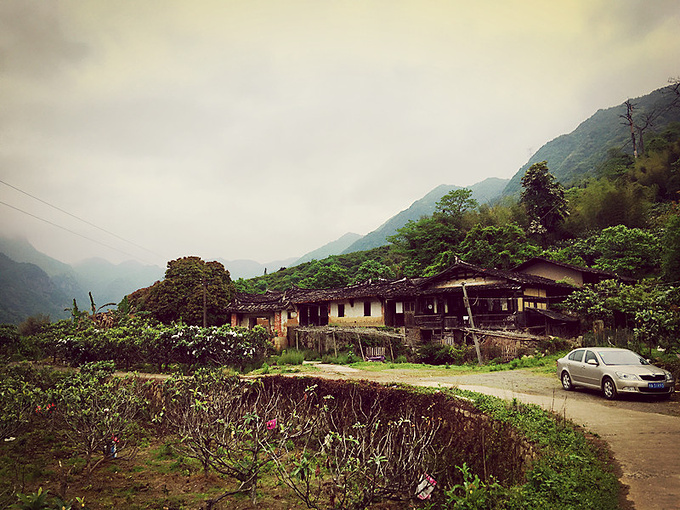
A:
{"x": 593, "y": 362}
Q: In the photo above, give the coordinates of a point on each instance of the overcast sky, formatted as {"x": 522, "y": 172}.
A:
{"x": 265, "y": 129}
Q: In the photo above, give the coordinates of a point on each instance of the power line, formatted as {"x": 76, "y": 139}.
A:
{"x": 68, "y": 230}
{"x": 79, "y": 219}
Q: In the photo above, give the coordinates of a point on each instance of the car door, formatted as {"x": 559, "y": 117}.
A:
{"x": 576, "y": 366}
{"x": 591, "y": 372}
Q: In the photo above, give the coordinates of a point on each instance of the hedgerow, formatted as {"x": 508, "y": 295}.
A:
{"x": 138, "y": 342}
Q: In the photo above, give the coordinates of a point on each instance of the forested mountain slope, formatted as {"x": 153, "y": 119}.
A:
{"x": 577, "y": 154}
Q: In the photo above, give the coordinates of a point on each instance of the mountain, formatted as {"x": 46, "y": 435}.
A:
{"x": 243, "y": 268}
{"x": 62, "y": 275}
{"x": 333, "y": 248}
{"x": 579, "y": 153}
{"x": 109, "y": 283}
{"x": 485, "y": 191}
{"x": 27, "y": 290}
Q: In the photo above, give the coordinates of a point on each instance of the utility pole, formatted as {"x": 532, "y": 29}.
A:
{"x": 472, "y": 323}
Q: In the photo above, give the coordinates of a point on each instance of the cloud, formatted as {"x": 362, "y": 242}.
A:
{"x": 264, "y": 129}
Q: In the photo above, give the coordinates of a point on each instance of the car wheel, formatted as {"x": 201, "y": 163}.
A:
{"x": 566, "y": 381}
{"x": 609, "y": 389}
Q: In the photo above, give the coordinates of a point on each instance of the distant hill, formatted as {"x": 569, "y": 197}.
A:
{"x": 27, "y": 290}
{"x": 333, "y": 248}
{"x": 244, "y": 268}
{"x": 108, "y": 282}
{"x": 577, "y": 154}
{"x": 485, "y": 191}
{"x": 61, "y": 274}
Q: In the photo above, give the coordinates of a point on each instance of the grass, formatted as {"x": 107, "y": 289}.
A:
{"x": 541, "y": 364}
{"x": 573, "y": 470}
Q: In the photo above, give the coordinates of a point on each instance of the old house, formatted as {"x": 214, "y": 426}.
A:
{"x": 467, "y": 296}
{"x": 272, "y": 310}
{"x": 562, "y": 271}
{"x": 442, "y": 308}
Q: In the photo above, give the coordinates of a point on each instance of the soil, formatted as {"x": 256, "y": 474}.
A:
{"x": 643, "y": 433}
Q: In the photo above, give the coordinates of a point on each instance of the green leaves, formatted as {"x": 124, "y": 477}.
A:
{"x": 543, "y": 199}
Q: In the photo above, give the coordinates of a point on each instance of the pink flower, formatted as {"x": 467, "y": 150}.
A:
{"x": 271, "y": 424}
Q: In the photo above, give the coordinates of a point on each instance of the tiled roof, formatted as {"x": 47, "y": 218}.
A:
{"x": 385, "y": 289}
{"x": 509, "y": 276}
{"x": 589, "y": 270}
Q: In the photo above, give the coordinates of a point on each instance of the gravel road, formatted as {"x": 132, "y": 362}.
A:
{"x": 643, "y": 433}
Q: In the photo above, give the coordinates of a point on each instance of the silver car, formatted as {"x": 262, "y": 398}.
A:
{"x": 613, "y": 371}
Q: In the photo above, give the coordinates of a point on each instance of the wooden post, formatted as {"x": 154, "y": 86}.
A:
{"x": 391, "y": 351}
{"x": 297, "y": 342}
{"x": 361, "y": 348}
{"x": 335, "y": 345}
{"x": 472, "y": 323}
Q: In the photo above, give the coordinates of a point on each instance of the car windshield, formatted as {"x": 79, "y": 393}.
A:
{"x": 621, "y": 358}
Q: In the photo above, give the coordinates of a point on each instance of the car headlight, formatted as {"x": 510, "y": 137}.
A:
{"x": 627, "y": 377}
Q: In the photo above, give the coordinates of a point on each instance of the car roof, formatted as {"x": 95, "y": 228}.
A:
{"x": 604, "y": 348}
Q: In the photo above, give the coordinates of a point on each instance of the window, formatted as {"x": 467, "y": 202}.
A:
{"x": 367, "y": 308}
{"x": 409, "y": 306}
{"x": 341, "y": 309}
{"x": 577, "y": 355}
{"x": 590, "y": 355}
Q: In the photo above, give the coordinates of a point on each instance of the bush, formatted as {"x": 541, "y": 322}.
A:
{"x": 434, "y": 354}
{"x": 291, "y": 357}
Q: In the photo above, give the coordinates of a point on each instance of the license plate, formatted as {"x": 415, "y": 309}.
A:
{"x": 655, "y": 385}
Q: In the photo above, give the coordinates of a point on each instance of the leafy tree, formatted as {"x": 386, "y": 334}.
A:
{"x": 455, "y": 203}
{"x": 371, "y": 270}
{"x": 627, "y": 251}
{"x": 34, "y": 324}
{"x": 603, "y": 203}
{"x": 419, "y": 242}
{"x": 501, "y": 247}
{"x": 191, "y": 286}
{"x": 543, "y": 199}
{"x": 327, "y": 277}
{"x": 9, "y": 338}
{"x": 670, "y": 256}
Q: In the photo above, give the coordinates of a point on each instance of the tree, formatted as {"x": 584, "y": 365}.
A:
{"x": 455, "y": 203}
{"x": 640, "y": 123}
{"x": 543, "y": 199}
{"x": 372, "y": 270}
{"x": 499, "y": 247}
{"x": 626, "y": 251}
{"x": 670, "y": 255}
{"x": 420, "y": 242}
{"x": 193, "y": 291}
{"x": 327, "y": 277}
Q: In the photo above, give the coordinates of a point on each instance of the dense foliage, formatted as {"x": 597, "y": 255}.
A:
{"x": 137, "y": 342}
{"x": 193, "y": 291}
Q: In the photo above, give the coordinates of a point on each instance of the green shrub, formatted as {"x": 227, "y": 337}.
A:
{"x": 435, "y": 354}
{"x": 291, "y": 357}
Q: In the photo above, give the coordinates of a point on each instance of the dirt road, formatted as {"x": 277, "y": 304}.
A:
{"x": 644, "y": 434}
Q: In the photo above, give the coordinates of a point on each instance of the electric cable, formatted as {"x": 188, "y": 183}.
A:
{"x": 80, "y": 219}
{"x": 71, "y": 231}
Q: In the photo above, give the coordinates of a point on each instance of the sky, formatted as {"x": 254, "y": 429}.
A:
{"x": 152, "y": 130}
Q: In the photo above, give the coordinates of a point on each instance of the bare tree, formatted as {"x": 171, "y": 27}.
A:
{"x": 639, "y": 124}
